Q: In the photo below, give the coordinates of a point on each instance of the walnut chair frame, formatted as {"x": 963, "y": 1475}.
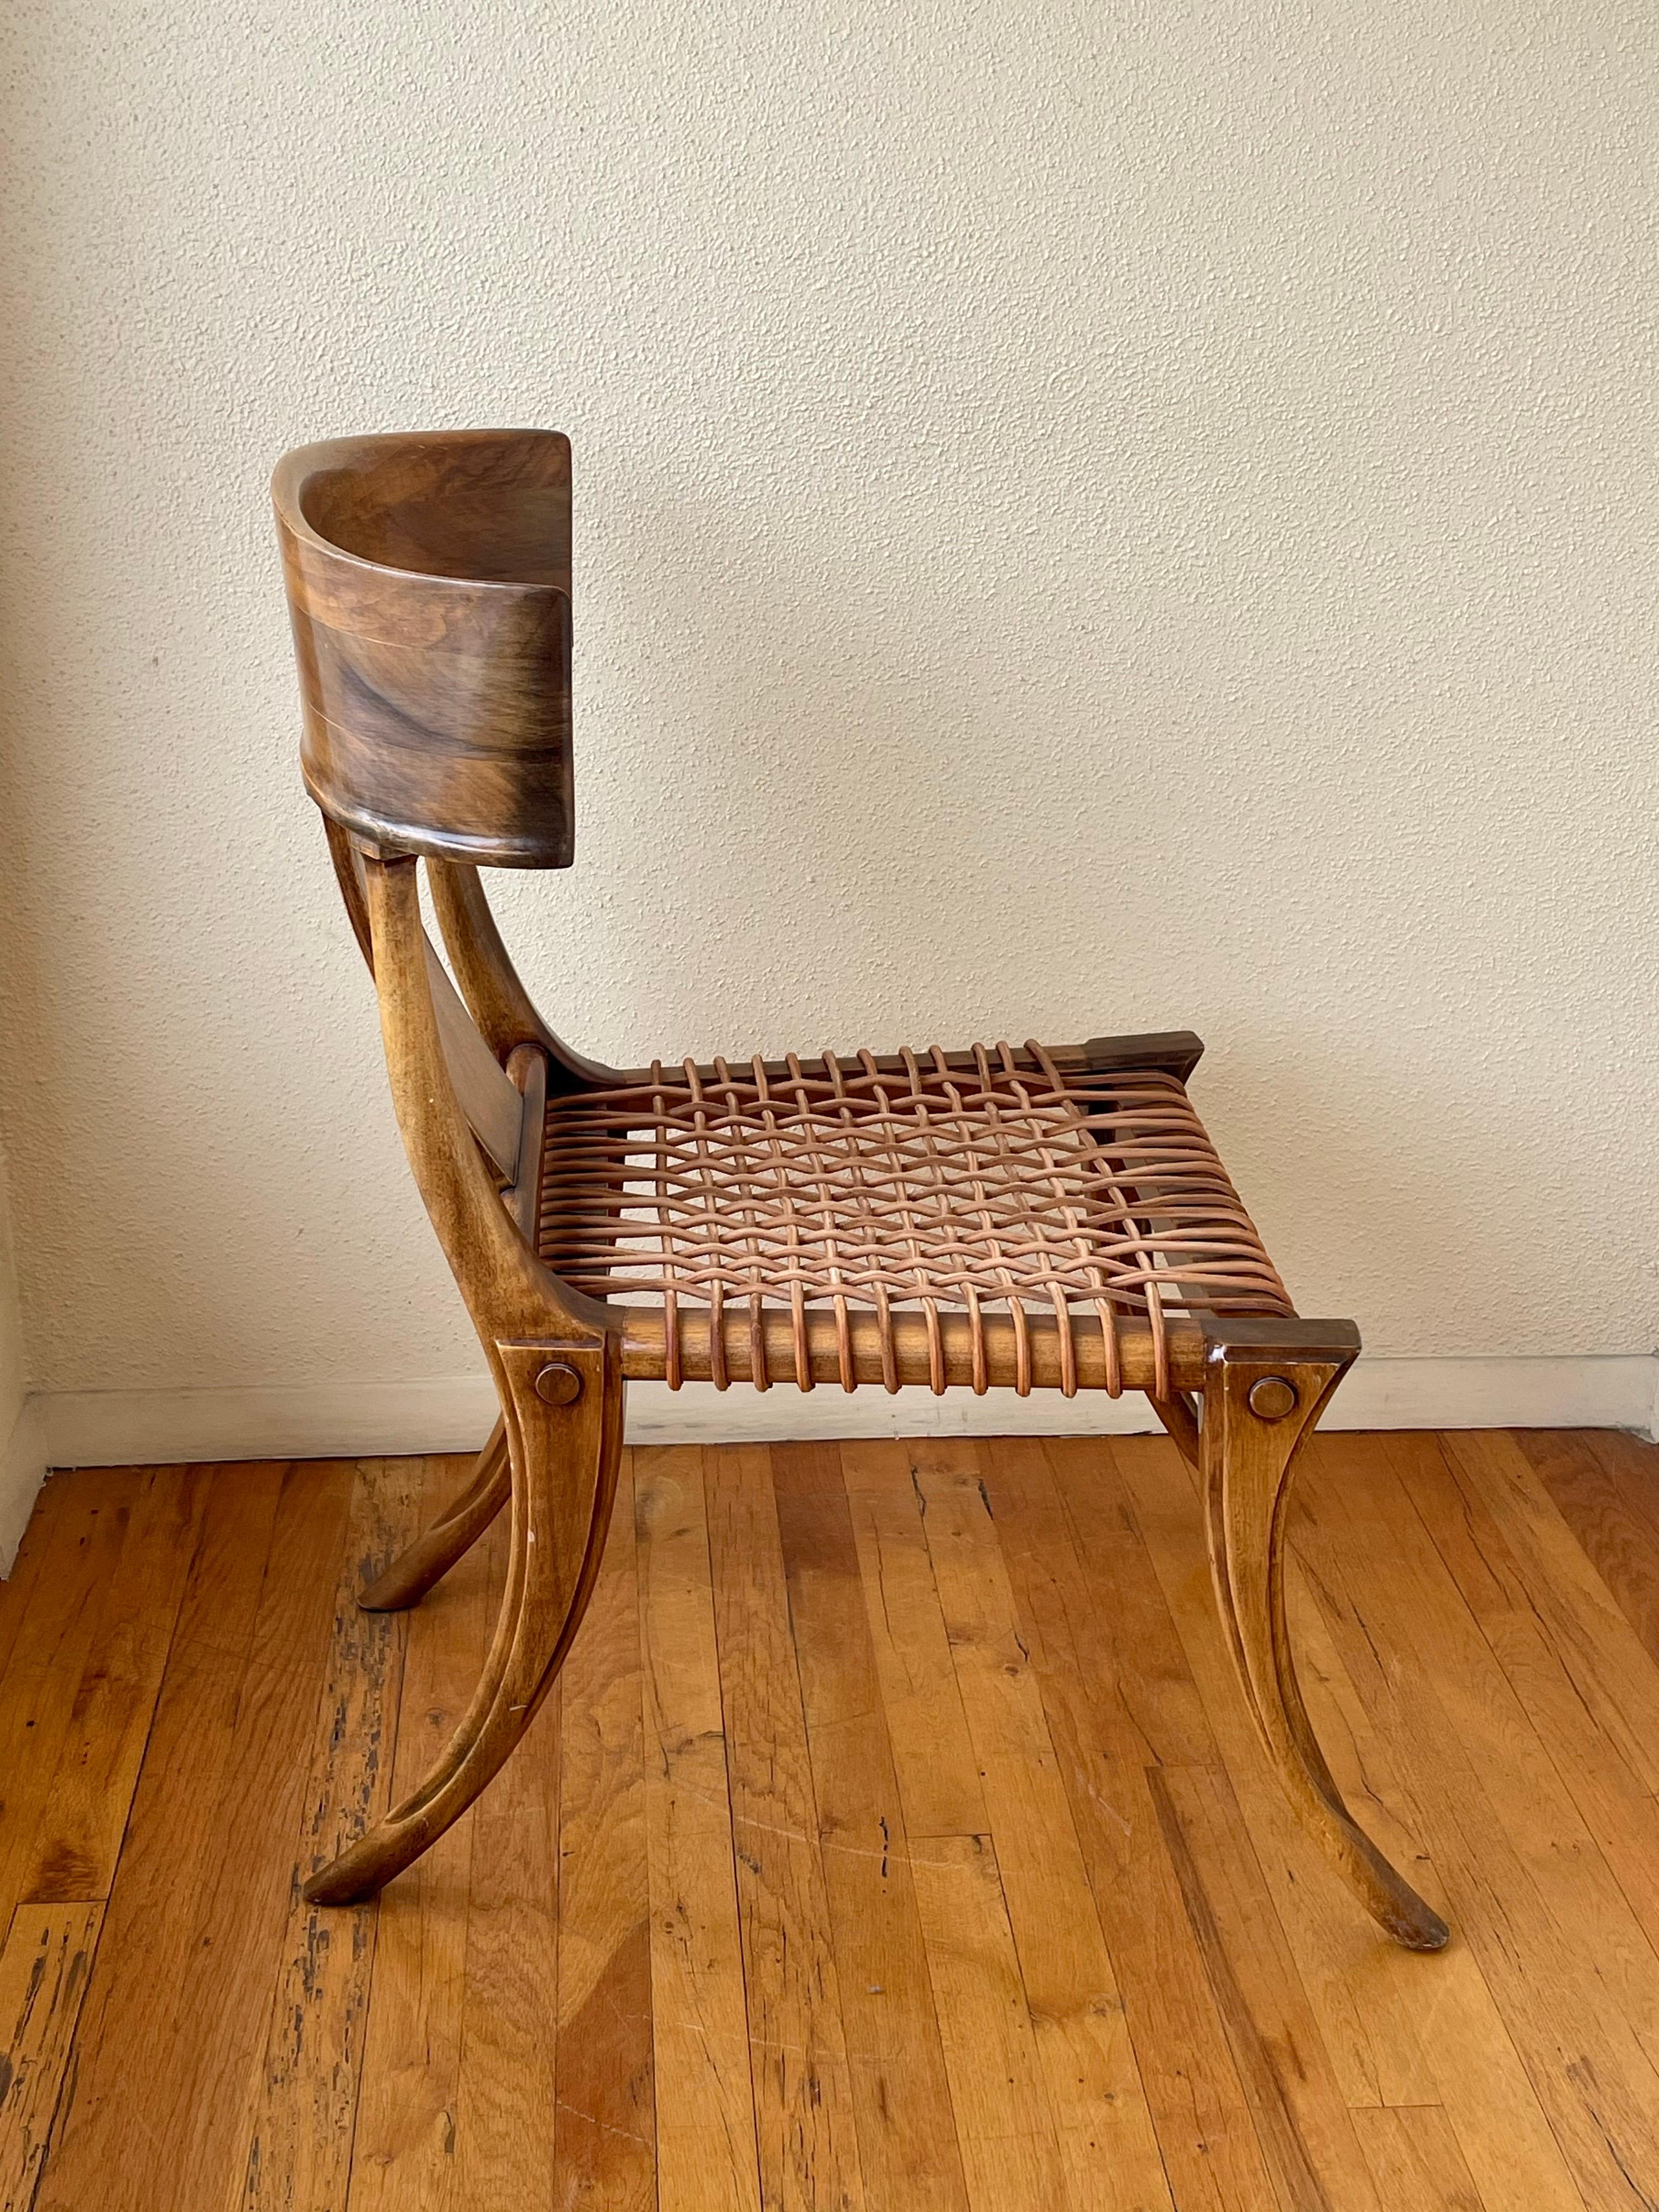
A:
{"x": 1039, "y": 1218}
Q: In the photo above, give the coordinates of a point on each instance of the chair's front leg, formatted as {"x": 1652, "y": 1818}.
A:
{"x": 1267, "y": 1383}
{"x": 561, "y": 1405}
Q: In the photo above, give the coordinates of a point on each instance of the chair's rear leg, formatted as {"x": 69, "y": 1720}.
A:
{"x": 1267, "y": 1384}
{"x": 1178, "y": 1417}
{"x": 436, "y": 1549}
{"x": 564, "y": 1420}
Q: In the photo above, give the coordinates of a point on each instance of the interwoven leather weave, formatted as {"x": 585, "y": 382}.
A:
{"x": 1001, "y": 1184}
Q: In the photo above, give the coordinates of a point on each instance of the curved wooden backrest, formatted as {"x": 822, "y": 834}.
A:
{"x": 429, "y": 583}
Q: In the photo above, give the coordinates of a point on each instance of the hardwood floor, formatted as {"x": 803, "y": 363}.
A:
{"x": 896, "y": 1839}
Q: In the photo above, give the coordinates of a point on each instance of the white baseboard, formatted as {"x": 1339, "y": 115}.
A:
{"x": 22, "y": 1470}
{"x": 117, "y": 1428}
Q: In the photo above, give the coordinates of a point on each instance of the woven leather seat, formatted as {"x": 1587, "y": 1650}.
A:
{"x": 988, "y": 1179}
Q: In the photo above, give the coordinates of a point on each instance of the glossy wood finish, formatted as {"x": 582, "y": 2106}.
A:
{"x": 1058, "y": 1216}
{"x": 486, "y": 1096}
{"x": 1268, "y": 1385}
{"x": 644, "y": 1358}
{"x": 564, "y": 1463}
{"x": 934, "y": 1752}
{"x": 450, "y": 1537}
{"x": 429, "y": 583}
{"x": 489, "y": 983}
{"x": 428, "y": 1560}
{"x": 1175, "y": 1051}
{"x": 563, "y": 1444}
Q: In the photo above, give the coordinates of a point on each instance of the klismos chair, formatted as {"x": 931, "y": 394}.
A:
{"x": 1032, "y": 1218}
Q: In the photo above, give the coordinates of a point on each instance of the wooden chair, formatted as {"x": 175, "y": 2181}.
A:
{"x": 1035, "y": 1217}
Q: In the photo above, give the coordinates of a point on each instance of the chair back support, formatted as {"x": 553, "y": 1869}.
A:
{"x": 491, "y": 1102}
{"x": 428, "y": 584}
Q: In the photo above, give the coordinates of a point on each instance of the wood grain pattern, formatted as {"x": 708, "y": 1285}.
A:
{"x": 1121, "y": 1705}
{"x": 1415, "y": 2160}
{"x": 934, "y": 1759}
{"x": 45, "y": 1963}
{"x": 906, "y": 2131}
{"x": 51, "y": 1657}
{"x": 1303, "y": 2126}
{"x": 562, "y": 1444}
{"x": 1603, "y": 1487}
{"x": 804, "y": 2128}
{"x": 697, "y": 1948}
{"x": 707, "y": 2159}
{"x": 305, "y": 2105}
{"x": 78, "y": 1833}
{"x": 1528, "y": 1885}
{"x": 429, "y": 586}
{"x": 200, "y": 1905}
{"x": 17, "y": 1589}
{"x": 403, "y": 2157}
{"x": 1251, "y": 1445}
{"x": 1109, "y": 2153}
{"x": 1010, "y": 2154}
{"x": 507, "y": 2103}
{"x": 1366, "y": 2016}
{"x": 604, "y": 2148}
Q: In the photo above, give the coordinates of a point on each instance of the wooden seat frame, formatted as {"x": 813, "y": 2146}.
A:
{"x": 472, "y": 1065}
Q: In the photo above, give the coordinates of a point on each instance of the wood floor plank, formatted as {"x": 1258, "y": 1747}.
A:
{"x": 707, "y": 2159}
{"x": 604, "y": 2148}
{"x": 506, "y": 2106}
{"x": 1138, "y": 1645}
{"x": 45, "y": 1961}
{"x": 1073, "y": 1594}
{"x": 1576, "y": 1667}
{"x": 1119, "y": 1977}
{"x": 1305, "y": 2127}
{"x": 1434, "y": 2041}
{"x": 1474, "y": 2068}
{"x": 1606, "y": 1487}
{"x": 1523, "y": 1781}
{"x": 1366, "y": 1996}
{"x": 804, "y": 2123}
{"x": 1528, "y": 1891}
{"x": 49, "y": 1658}
{"x": 1004, "y": 2123}
{"x": 169, "y": 1853}
{"x": 18, "y": 1590}
{"x": 403, "y": 2158}
{"x": 933, "y": 1751}
{"x": 906, "y": 2131}
{"x": 1108, "y": 2148}
{"x": 1416, "y": 2161}
{"x": 304, "y": 2111}
{"x": 1480, "y": 1485}
{"x": 1399, "y": 2029}
{"x": 1273, "y": 2028}
{"x": 84, "y": 1814}
{"x": 190, "y": 1938}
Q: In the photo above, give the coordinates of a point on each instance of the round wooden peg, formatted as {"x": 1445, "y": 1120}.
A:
{"x": 1272, "y": 1398}
{"x": 558, "y": 1384}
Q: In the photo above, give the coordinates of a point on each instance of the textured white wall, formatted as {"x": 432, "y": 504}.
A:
{"x": 1089, "y": 517}
{"x": 13, "y": 1365}
{"x": 22, "y": 1444}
